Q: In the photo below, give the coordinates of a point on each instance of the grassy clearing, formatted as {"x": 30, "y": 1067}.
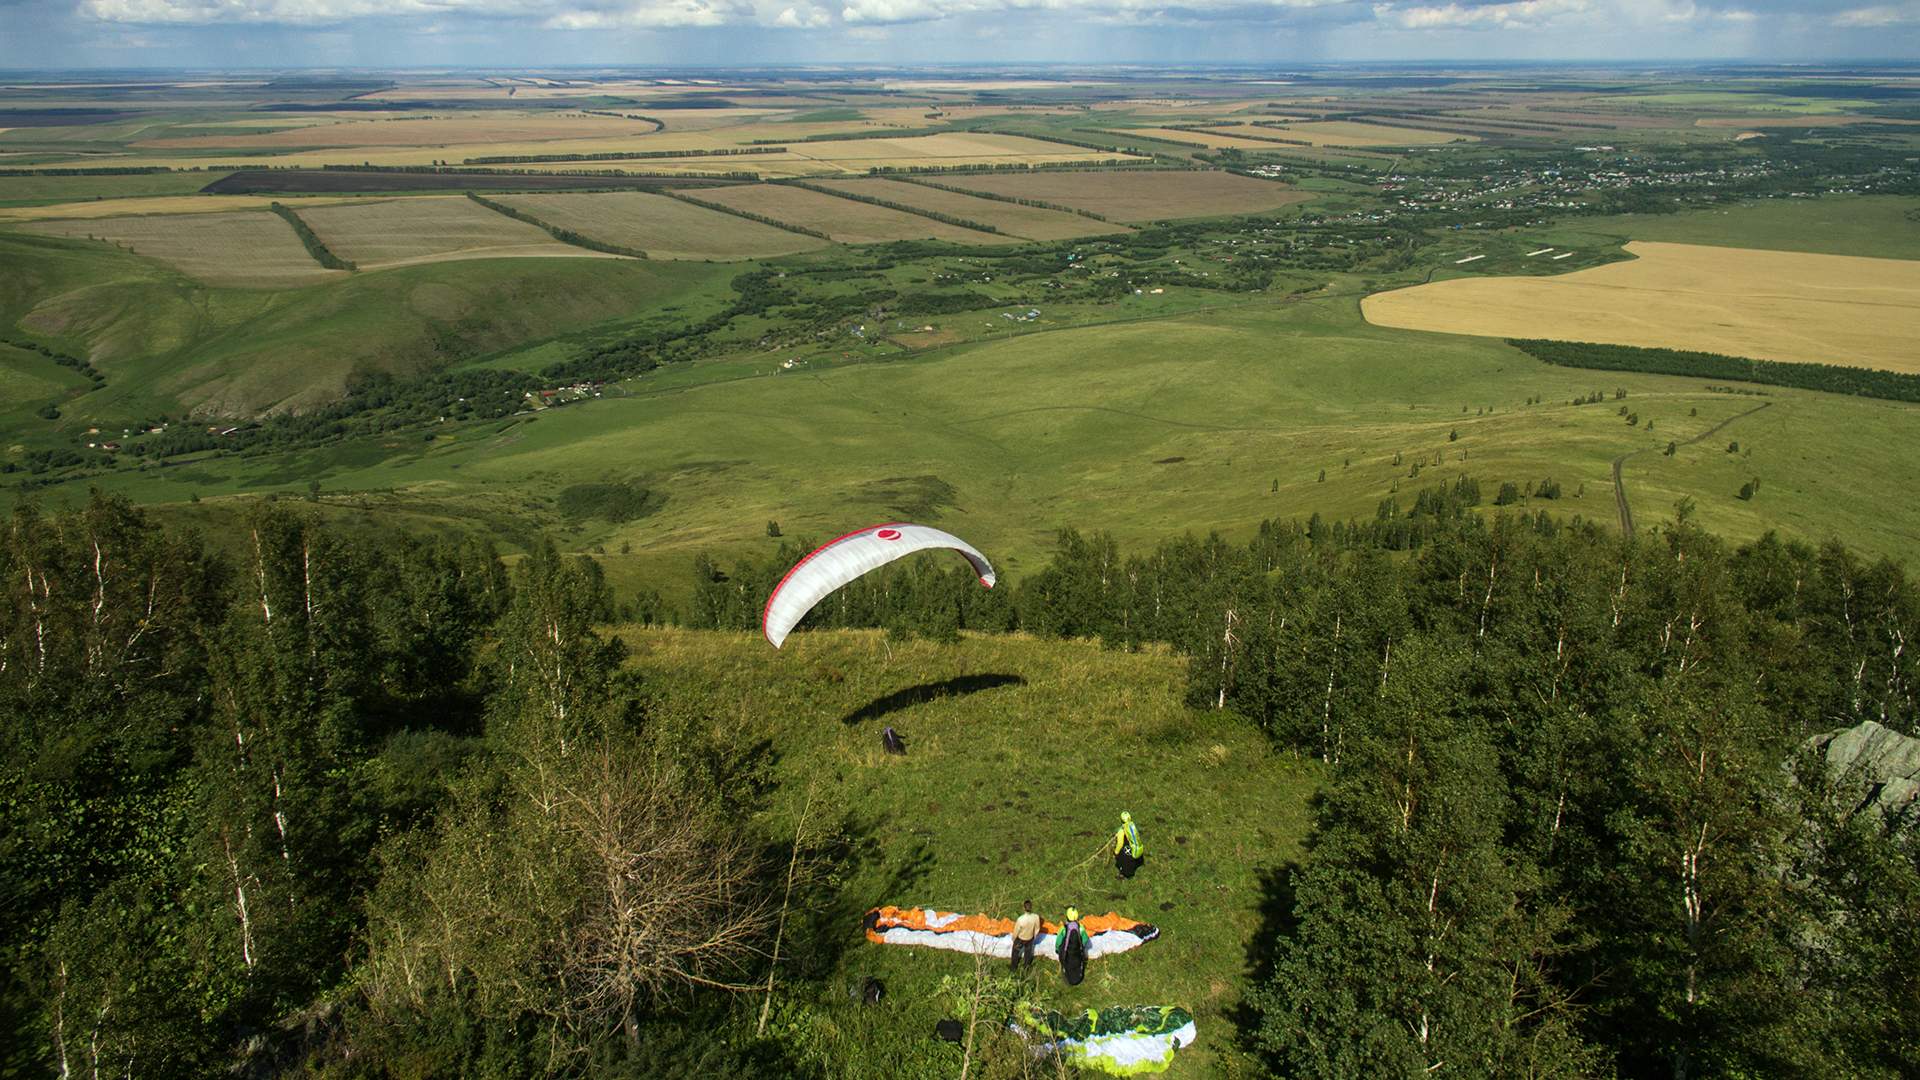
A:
{"x": 430, "y": 228}
{"x": 1826, "y": 309}
{"x": 1141, "y": 196}
{"x": 662, "y": 227}
{"x": 844, "y": 220}
{"x": 1028, "y": 222}
{"x": 1021, "y": 755}
{"x": 250, "y": 249}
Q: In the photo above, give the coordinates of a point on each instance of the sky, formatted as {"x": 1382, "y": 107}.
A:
{"x": 233, "y": 34}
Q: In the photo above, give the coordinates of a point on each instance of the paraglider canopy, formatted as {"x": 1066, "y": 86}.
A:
{"x": 839, "y": 561}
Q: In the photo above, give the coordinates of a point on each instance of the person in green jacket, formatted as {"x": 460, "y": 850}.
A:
{"x": 1128, "y": 852}
{"x": 1071, "y": 946}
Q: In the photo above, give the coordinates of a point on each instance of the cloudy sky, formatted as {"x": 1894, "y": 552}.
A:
{"x": 417, "y": 33}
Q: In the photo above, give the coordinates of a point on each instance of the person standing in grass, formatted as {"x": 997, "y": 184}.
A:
{"x": 1128, "y": 852}
{"x": 1071, "y": 946}
{"x": 1026, "y": 933}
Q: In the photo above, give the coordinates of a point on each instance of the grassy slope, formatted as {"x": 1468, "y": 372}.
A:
{"x": 1006, "y": 791}
{"x": 1081, "y": 426}
{"x": 167, "y": 344}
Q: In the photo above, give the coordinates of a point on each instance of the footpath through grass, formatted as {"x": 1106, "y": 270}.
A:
{"x": 1021, "y": 755}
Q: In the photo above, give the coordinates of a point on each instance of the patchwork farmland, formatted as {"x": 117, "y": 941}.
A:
{"x": 1012, "y": 219}
{"x": 663, "y": 227}
{"x": 844, "y": 220}
{"x": 1153, "y": 195}
{"x": 433, "y": 228}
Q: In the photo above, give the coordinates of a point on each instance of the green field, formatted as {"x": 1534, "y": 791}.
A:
{"x": 1021, "y": 755}
{"x": 1876, "y": 226}
{"x": 43, "y": 190}
{"x": 1182, "y": 424}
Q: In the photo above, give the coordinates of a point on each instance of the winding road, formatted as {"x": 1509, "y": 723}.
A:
{"x": 1620, "y": 485}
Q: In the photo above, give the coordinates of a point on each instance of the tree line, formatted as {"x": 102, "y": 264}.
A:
{"x": 1828, "y": 378}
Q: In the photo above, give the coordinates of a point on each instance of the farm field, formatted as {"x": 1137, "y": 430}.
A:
{"x": 1140, "y": 196}
{"x": 544, "y": 126}
{"x": 33, "y": 190}
{"x": 845, "y": 220}
{"x": 155, "y": 205}
{"x": 663, "y": 227}
{"x": 825, "y": 156}
{"x": 1027, "y": 222}
{"x": 1877, "y": 226}
{"x": 430, "y": 228}
{"x": 247, "y": 249}
{"x": 1827, "y": 309}
{"x": 1212, "y": 140}
{"x": 1347, "y": 133}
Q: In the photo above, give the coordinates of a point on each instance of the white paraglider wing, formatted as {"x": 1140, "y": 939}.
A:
{"x": 837, "y": 562}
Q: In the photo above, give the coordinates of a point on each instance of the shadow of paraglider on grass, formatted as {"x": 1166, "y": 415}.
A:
{"x": 958, "y": 686}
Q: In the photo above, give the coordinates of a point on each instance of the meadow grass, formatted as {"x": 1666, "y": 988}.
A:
{"x": 1206, "y": 421}
{"x": 1021, "y": 755}
{"x": 1141, "y": 196}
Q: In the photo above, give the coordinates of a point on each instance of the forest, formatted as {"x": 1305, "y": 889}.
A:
{"x": 327, "y": 802}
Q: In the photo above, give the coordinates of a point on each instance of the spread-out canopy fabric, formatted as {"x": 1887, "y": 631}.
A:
{"x": 1110, "y": 933}
{"x": 839, "y": 561}
{"x": 1125, "y": 1040}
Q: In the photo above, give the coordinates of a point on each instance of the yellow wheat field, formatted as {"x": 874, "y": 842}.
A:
{"x": 1769, "y": 305}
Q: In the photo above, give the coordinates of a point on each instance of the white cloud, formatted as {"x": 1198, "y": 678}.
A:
{"x": 1879, "y": 15}
{"x": 803, "y": 17}
{"x": 1519, "y": 14}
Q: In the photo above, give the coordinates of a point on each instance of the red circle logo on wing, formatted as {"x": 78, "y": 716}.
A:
{"x": 888, "y": 534}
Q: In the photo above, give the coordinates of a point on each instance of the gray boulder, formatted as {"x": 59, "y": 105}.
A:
{"x": 1878, "y": 763}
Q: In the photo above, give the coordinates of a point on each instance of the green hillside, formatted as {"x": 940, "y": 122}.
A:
{"x": 169, "y": 345}
{"x": 1209, "y": 421}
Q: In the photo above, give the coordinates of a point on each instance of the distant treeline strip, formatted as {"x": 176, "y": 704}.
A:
{"x": 1830, "y": 378}
{"x": 837, "y": 136}
{"x": 315, "y": 246}
{"x": 1119, "y": 165}
{"x": 917, "y": 211}
{"x": 749, "y": 215}
{"x": 60, "y": 358}
{"x": 129, "y": 170}
{"x": 625, "y": 155}
{"x": 456, "y": 170}
{"x": 997, "y": 197}
{"x": 565, "y": 236}
{"x": 659, "y": 125}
